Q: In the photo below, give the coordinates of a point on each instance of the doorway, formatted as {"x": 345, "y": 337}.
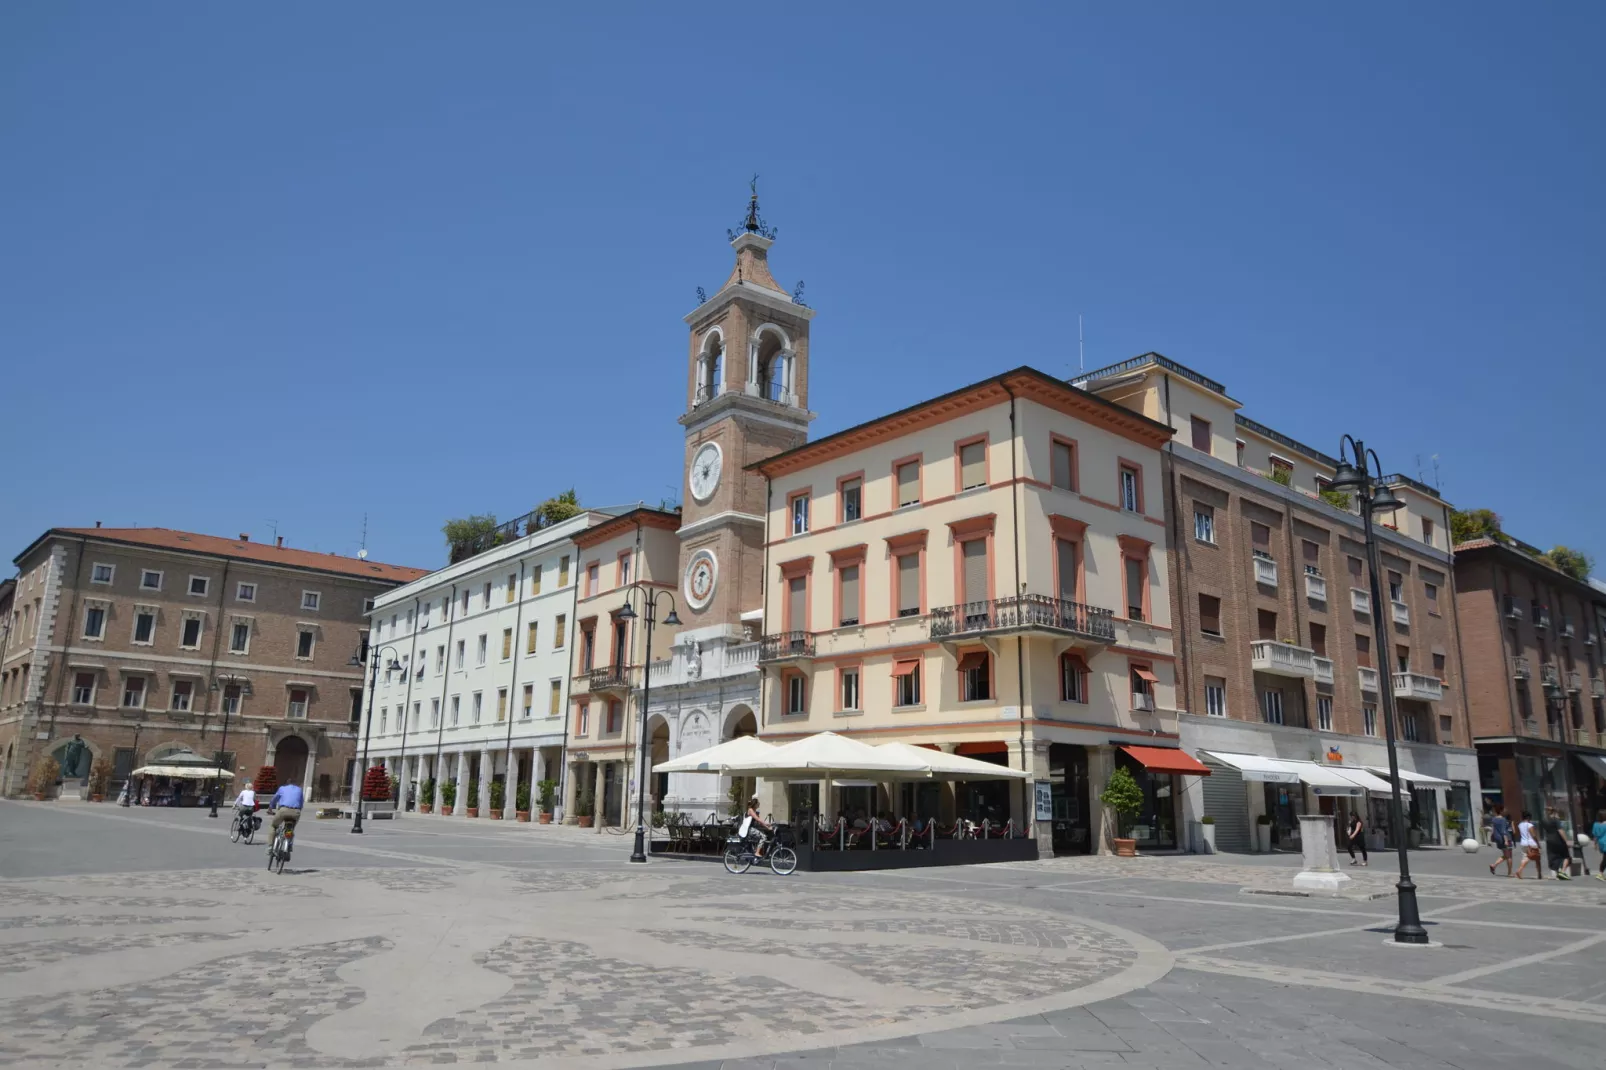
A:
{"x": 1068, "y": 786}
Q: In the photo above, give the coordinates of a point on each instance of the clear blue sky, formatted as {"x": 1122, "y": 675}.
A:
{"x": 305, "y": 262}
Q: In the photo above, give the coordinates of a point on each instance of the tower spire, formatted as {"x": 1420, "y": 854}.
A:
{"x": 754, "y": 223}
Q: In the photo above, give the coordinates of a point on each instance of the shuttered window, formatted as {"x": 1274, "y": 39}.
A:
{"x": 1063, "y": 467}
{"x": 797, "y": 603}
{"x": 909, "y": 484}
{"x": 1065, "y": 552}
{"x": 909, "y": 585}
{"x": 849, "y": 578}
{"x": 1135, "y": 584}
{"x": 1201, "y": 433}
{"x": 973, "y": 465}
{"x": 975, "y": 570}
{"x": 1209, "y": 614}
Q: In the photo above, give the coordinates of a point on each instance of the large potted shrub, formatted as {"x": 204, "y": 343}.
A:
{"x": 498, "y": 797}
{"x": 1124, "y": 799}
{"x": 549, "y": 796}
{"x": 375, "y": 787}
{"x": 100, "y": 777}
{"x": 1207, "y": 834}
{"x": 426, "y": 795}
{"x": 448, "y": 797}
{"x": 473, "y": 801}
{"x": 585, "y": 808}
{"x": 42, "y": 778}
{"x": 266, "y": 783}
{"x": 521, "y": 803}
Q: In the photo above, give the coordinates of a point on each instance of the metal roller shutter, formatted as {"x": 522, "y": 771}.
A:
{"x": 1226, "y": 800}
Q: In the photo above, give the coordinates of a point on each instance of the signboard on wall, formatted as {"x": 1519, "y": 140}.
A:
{"x": 1045, "y": 800}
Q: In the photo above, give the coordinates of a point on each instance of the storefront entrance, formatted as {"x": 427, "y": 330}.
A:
{"x": 1283, "y": 803}
{"x": 1155, "y": 826}
{"x": 1067, "y": 771}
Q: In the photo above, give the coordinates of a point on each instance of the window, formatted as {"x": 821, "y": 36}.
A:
{"x": 456, "y": 707}
{"x": 975, "y": 684}
{"x": 245, "y": 592}
{"x": 906, "y": 683}
{"x": 461, "y": 647}
{"x": 440, "y": 660}
{"x": 1427, "y": 531}
{"x": 582, "y": 718}
{"x": 150, "y": 579}
{"x": 908, "y": 475}
{"x": 134, "y": 692}
{"x": 616, "y": 719}
{"x": 1266, "y": 624}
{"x": 848, "y": 596}
{"x": 482, "y": 648}
{"x": 1062, "y": 465}
{"x": 310, "y": 600}
{"x": 1438, "y": 665}
{"x": 183, "y": 694}
{"x": 1402, "y": 655}
{"x": 909, "y": 585}
{"x": 588, "y": 647}
{"x": 1201, "y": 433}
{"x": 1260, "y": 536}
{"x": 1356, "y": 573}
{"x": 434, "y": 712}
{"x": 417, "y": 721}
{"x": 501, "y": 704}
{"x": 1318, "y": 639}
{"x": 102, "y": 573}
{"x": 368, "y": 605}
{"x": 1369, "y": 717}
{"x": 1137, "y": 587}
{"x": 512, "y": 586}
{"x": 593, "y": 579}
{"x": 1143, "y": 680}
{"x": 465, "y": 603}
{"x": 800, "y": 514}
{"x": 1282, "y": 472}
{"x": 849, "y": 679}
{"x": 1324, "y": 713}
{"x": 231, "y": 701}
{"x": 560, "y": 627}
{"x": 476, "y": 707}
{"x": 624, "y": 570}
{"x": 507, "y": 643}
{"x": 1363, "y": 651}
{"x": 535, "y": 579}
{"x": 145, "y": 626}
{"x": 83, "y": 689}
{"x": 528, "y": 706}
{"x": 532, "y": 637}
{"x": 1067, "y": 573}
{"x": 1215, "y": 696}
{"x": 94, "y": 622}
{"x": 1271, "y": 706}
{"x": 1396, "y": 587}
{"x": 240, "y": 637}
{"x": 190, "y": 638}
{"x": 554, "y": 698}
{"x": 973, "y": 465}
{"x": 423, "y": 616}
{"x": 199, "y": 585}
{"x": 1204, "y": 524}
{"x": 1131, "y": 489}
{"x": 852, "y": 506}
{"x": 1409, "y": 727}
{"x": 1430, "y": 591}
{"x": 304, "y": 641}
{"x": 1209, "y": 614}
{"x": 974, "y": 573}
{"x": 796, "y": 694}
{"x": 563, "y": 571}
{"x": 384, "y": 719}
{"x": 1073, "y": 679}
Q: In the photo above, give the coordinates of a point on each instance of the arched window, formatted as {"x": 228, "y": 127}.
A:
{"x": 774, "y": 366}
{"x": 711, "y": 368}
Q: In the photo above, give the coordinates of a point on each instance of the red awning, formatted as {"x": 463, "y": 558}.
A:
{"x": 1148, "y": 675}
{"x": 986, "y": 746}
{"x": 905, "y": 668}
{"x": 1167, "y": 760}
{"x": 976, "y": 659}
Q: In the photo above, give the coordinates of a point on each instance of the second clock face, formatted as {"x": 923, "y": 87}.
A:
{"x": 706, "y": 464}
{"x": 702, "y": 573}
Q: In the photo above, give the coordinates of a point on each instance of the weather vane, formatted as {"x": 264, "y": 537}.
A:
{"x": 754, "y": 223}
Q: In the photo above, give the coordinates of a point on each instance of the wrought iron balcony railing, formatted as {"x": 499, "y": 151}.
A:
{"x": 610, "y": 678}
{"x": 1030, "y": 612}
{"x": 785, "y": 646}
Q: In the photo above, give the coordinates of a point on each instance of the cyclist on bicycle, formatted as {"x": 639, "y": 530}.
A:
{"x": 286, "y": 807}
{"x": 757, "y": 827}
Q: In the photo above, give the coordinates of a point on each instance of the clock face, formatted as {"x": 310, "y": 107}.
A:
{"x": 705, "y": 468}
{"x": 702, "y": 574}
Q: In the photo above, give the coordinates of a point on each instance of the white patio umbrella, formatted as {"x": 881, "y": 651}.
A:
{"x": 719, "y": 758}
{"x": 822, "y": 754}
{"x": 944, "y": 766}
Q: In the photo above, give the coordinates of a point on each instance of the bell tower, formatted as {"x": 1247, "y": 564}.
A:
{"x": 747, "y": 388}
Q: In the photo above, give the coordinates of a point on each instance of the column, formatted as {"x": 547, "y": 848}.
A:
{"x": 487, "y": 767}
{"x": 435, "y": 775}
{"x": 511, "y": 813}
{"x": 461, "y": 809}
{"x": 596, "y": 795}
{"x": 1042, "y": 831}
{"x": 534, "y": 778}
{"x": 307, "y": 776}
{"x": 1100, "y": 767}
{"x": 571, "y": 792}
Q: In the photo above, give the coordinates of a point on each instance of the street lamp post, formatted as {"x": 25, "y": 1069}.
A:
{"x": 373, "y": 655}
{"x": 1373, "y": 496}
{"x": 128, "y": 785}
{"x": 650, "y": 608}
{"x": 220, "y": 686}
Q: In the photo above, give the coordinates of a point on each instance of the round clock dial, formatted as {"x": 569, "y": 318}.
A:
{"x": 706, "y": 464}
{"x": 702, "y": 575}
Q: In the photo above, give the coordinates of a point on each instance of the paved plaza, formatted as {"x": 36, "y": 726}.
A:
{"x": 138, "y": 937}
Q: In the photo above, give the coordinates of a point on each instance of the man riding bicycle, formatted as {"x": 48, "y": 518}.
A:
{"x": 286, "y": 807}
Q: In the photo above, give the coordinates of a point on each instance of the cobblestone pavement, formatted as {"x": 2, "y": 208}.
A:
{"x": 436, "y": 941}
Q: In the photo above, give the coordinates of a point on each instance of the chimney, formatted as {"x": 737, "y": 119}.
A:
{"x": 244, "y": 537}
{"x": 279, "y": 542}
{"x": 97, "y": 523}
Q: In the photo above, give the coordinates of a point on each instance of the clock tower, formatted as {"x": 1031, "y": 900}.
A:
{"x": 746, "y": 399}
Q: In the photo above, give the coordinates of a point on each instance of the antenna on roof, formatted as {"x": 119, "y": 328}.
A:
{"x": 362, "y": 550}
{"x": 1436, "y": 485}
{"x": 273, "y": 526}
{"x": 1081, "y": 362}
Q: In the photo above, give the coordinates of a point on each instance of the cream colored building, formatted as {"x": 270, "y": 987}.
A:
{"x": 985, "y": 572}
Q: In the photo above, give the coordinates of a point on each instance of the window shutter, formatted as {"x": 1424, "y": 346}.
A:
{"x": 850, "y": 594}
{"x": 973, "y": 465}
{"x": 1062, "y": 465}
{"x": 1066, "y": 552}
{"x": 975, "y": 557}
{"x": 909, "y": 584}
{"x": 909, "y": 483}
{"x": 1201, "y": 434}
{"x": 1135, "y": 582}
{"x": 797, "y": 594}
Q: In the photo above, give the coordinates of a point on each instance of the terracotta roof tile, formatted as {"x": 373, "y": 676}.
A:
{"x": 266, "y": 553}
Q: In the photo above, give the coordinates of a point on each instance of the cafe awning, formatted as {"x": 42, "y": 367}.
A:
{"x": 1595, "y": 762}
{"x": 1411, "y": 777}
{"x": 1254, "y": 767}
{"x": 1167, "y": 760}
{"x": 183, "y": 772}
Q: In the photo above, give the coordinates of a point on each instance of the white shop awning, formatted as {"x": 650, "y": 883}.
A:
{"x": 1412, "y": 778}
{"x": 1365, "y": 781}
{"x": 1595, "y": 762}
{"x": 1254, "y": 767}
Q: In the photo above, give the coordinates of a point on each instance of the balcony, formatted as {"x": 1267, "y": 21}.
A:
{"x": 1024, "y": 613}
{"x": 1402, "y": 614}
{"x": 1567, "y": 630}
{"x": 1360, "y": 601}
{"x": 1324, "y": 669}
{"x": 1282, "y": 659}
{"x": 1549, "y": 676}
{"x": 1519, "y": 668}
{"x": 1315, "y": 587}
{"x": 1513, "y": 611}
{"x": 1541, "y": 616}
{"x": 1575, "y": 683}
{"x": 1597, "y": 687}
{"x": 786, "y": 646}
{"x": 609, "y": 678}
{"x": 1265, "y": 571}
{"x": 1418, "y": 685}
{"x": 1368, "y": 679}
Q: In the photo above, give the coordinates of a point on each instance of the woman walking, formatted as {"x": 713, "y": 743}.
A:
{"x": 1500, "y": 836}
{"x": 1529, "y": 845}
{"x": 1558, "y": 850}
{"x": 1599, "y": 832}
{"x": 1357, "y": 838}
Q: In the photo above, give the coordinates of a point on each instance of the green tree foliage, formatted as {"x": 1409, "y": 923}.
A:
{"x": 464, "y": 531}
{"x": 1574, "y": 563}
{"x": 1123, "y": 796}
{"x": 1337, "y": 499}
{"x": 1279, "y": 474}
{"x": 1468, "y": 524}
{"x": 559, "y": 508}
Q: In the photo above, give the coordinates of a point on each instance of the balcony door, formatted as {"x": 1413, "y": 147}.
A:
{"x": 797, "y": 604}
{"x": 973, "y": 578}
{"x": 621, "y": 635}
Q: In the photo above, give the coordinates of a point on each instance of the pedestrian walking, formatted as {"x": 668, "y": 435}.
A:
{"x": 1357, "y": 838}
{"x": 1500, "y": 836}
{"x": 1558, "y": 850}
{"x": 1599, "y": 832}
{"x": 1529, "y": 845}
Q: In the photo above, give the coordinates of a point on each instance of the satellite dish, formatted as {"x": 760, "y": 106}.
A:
{"x": 362, "y": 555}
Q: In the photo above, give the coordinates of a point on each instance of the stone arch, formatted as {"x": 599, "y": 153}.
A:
{"x": 92, "y": 749}
{"x": 740, "y": 720}
{"x": 711, "y": 364}
{"x": 772, "y": 362}
{"x": 696, "y": 733}
{"x": 291, "y": 756}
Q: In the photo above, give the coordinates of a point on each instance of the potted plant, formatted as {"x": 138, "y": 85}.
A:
{"x": 100, "y": 776}
{"x": 448, "y": 797}
{"x": 521, "y": 803}
{"x": 267, "y": 781}
{"x": 1207, "y": 833}
{"x": 473, "y": 804}
{"x": 549, "y": 796}
{"x": 426, "y": 795}
{"x": 375, "y": 787}
{"x": 498, "y": 797}
{"x": 42, "y": 778}
{"x": 1124, "y": 799}
{"x": 1263, "y": 833}
{"x": 585, "y": 808}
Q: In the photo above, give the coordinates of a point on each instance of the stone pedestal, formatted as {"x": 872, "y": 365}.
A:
{"x": 1318, "y": 843}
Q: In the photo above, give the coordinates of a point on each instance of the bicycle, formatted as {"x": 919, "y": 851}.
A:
{"x": 740, "y": 855}
{"x": 279, "y": 849}
{"x": 244, "y": 825}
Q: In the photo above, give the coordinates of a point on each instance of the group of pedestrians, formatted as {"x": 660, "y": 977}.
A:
{"x": 1558, "y": 848}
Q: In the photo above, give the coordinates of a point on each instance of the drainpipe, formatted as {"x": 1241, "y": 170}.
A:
{"x": 1475, "y": 787}
{"x": 1179, "y": 627}
{"x": 1027, "y": 803}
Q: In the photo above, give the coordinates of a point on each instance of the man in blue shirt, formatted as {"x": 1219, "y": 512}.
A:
{"x": 286, "y": 806}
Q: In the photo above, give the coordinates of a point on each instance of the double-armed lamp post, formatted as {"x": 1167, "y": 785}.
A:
{"x": 1355, "y": 474}
{"x": 650, "y": 609}
{"x": 373, "y": 656}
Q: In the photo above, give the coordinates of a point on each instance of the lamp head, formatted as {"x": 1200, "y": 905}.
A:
{"x": 1386, "y": 501}
{"x": 672, "y": 619}
{"x": 627, "y": 613}
{"x": 1346, "y": 476}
